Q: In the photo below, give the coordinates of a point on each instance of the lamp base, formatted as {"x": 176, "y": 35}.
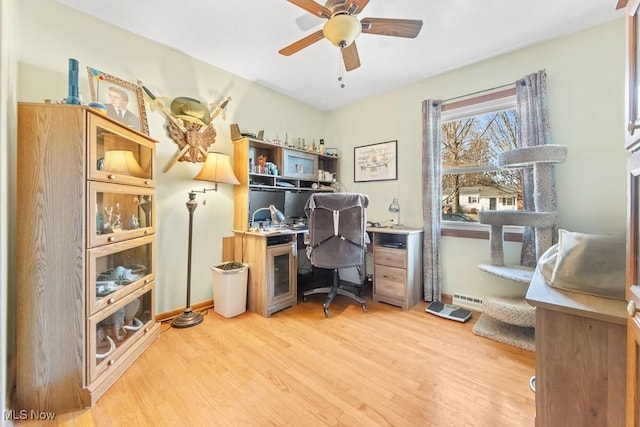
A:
{"x": 187, "y": 319}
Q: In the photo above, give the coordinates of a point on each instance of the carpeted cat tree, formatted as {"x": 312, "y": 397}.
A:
{"x": 512, "y": 320}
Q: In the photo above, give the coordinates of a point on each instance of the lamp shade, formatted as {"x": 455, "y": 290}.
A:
{"x": 394, "y": 206}
{"x": 277, "y": 217}
{"x": 342, "y": 30}
{"x": 122, "y": 161}
{"x": 217, "y": 168}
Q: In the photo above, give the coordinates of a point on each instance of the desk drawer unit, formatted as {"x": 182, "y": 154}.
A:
{"x": 390, "y": 276}
{"x": 390, "y": 257}
{"x": 391, "y": 282}
{"x": 397, "y": 269}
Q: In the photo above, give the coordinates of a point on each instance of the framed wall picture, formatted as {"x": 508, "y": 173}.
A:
{"x": 376, "y": 162}
{"x": 124, "y": 100}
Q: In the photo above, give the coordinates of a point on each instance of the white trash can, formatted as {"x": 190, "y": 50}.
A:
{"x": 230, "y": 288}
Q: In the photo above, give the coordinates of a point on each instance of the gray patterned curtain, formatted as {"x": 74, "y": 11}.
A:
{"x": 432, "y": 198}
{"x": 533, "y": 122}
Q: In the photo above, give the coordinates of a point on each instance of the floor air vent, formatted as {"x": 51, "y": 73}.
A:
{"x": 473, "y": 303}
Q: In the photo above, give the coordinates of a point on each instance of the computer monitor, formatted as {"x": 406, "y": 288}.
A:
{"x": 294, "y": 203}
{"x": 263, "y": 199}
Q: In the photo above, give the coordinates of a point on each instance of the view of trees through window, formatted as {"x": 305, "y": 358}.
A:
{"x": 471, "y": 179}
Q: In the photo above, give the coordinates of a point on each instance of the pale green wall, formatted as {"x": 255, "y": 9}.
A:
{"x": 7, "y": 168}
{"x": 585, "y": 82}
{"x": 50, "y": 33}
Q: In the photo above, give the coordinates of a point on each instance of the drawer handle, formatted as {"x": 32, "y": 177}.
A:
{"x": 388, "y": 258}
{"x": 111, "y": 301}
{"x": 111, "y": 239}
{"x": 111, "y": 177}
{"x": 146, "y": 330}
{"x": 111, "y": 362}
{"x": 147, "y": 182}
{"x": 388, "y": 277}
{"x": 146, "y": 281}
{"x": 146, "y": 232}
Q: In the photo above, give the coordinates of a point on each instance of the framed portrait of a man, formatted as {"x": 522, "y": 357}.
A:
{"x": 123, "y": 100}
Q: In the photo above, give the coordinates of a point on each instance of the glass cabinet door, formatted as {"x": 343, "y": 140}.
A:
{"x": 118, "y": 212}
{"x": 115, "y": 270}
{"x": 632, "y": 140}
{"x": 281, "y": 282}
{"x": 119, "y": 155}
{"x": 112, "y": 331}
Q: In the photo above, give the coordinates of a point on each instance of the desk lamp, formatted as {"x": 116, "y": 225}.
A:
{"x": 216, "y": 169}
{"x": 277, "y": 217}
{"x": 395, "y": 207}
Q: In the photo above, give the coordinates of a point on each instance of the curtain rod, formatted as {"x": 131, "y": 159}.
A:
{"x": 522, "y": 82}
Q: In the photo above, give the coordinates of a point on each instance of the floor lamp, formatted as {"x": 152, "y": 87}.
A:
{"x": 216, "y": 169}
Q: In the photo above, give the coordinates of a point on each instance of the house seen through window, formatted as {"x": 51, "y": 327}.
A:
{"x": 474, "y": 133}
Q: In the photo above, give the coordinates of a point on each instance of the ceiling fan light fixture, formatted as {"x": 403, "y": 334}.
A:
{"x": 341, "y": 30}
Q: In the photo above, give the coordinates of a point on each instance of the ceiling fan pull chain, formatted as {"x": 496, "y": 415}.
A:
{"x": 340, "y": 69}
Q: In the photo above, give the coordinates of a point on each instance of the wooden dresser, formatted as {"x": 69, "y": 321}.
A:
{"x": 85, "y": 254}
{"x": 580, "y": 357}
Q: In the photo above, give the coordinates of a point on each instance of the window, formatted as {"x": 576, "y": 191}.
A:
{"x": 474, "y": 132}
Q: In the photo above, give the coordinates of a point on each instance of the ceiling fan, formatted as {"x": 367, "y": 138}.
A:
{"x": 342, "y": 28}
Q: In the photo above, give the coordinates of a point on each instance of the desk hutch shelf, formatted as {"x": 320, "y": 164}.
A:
{"x": 295, "y": 170}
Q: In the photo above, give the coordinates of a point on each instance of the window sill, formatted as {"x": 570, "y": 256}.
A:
{"x": 478, "y": 231}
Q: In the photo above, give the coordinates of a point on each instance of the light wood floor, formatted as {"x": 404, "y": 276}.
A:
{"x": 385, "y": 367}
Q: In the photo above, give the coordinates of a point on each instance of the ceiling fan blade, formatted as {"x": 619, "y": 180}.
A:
{"x": 350, "y": 57}
{"x": 409, "y": 28}
{"x": 312, "y": 7}
{"x": 355, "y": 6}
{"x": 302, "y": 43}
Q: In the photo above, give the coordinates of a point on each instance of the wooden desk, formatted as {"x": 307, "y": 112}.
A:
{"x": 272, "y": 259}
{"x": 397, "y": 265}
{"x": 580, "y": 357}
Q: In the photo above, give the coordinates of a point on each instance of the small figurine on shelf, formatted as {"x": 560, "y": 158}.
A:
{"x": 107, "y": 224}
{"x": 117, "y": 223}
{"x": 134, "y": 222}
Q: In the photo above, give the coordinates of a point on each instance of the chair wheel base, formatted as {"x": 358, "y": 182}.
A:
{"x": 326, "y": 312}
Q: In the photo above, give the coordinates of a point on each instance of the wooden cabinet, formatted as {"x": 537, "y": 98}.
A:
{"x": 580, "y": 357}
{"x": 397, "y": 270}
{"x": 632, "y": 143}
{"x": 85, "y": 254}
{"x": 286, "y": 169}
{"x": 272, "y": 259}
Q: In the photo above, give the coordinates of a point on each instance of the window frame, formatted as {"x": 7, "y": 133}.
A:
{"x": 476, "y": 105}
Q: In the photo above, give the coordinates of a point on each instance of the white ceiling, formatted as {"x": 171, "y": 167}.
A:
{"x": 243, "y": 37}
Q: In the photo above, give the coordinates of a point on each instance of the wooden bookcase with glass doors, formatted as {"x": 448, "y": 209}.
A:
{"x": 85, "y": 254}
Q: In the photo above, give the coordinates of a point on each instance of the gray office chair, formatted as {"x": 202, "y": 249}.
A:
{"x": 337, "y": 239}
